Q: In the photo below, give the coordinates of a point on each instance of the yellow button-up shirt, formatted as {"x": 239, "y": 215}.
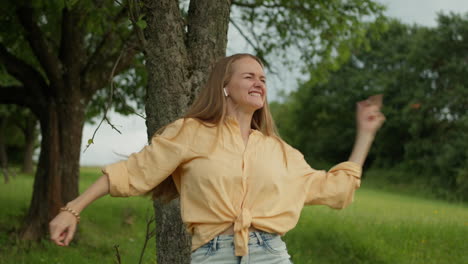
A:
{"x": 222, "y": 181}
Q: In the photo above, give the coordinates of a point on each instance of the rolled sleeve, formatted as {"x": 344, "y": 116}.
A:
{"x": 144, "y": 170}
{"x": 118, "y": 180}
{"x": 334, "y": 188}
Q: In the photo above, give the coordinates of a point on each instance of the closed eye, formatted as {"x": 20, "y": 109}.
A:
{"x": 248, "y": 75}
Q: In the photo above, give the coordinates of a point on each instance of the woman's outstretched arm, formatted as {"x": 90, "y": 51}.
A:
{"x": 62, "y": 228}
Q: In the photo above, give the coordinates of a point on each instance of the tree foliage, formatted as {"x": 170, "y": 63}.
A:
{"x": 106, "y": 32}
{"x": 421, "y": 73}
{"x": 320, "y": 34}
{"x": 55, "y": 56}
{"x": 20, "y": 122}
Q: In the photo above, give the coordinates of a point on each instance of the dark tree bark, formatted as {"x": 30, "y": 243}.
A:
{"x": 30, "y": 135}
{"x": 56, "y": 180}
{"x": 179, "y": 57}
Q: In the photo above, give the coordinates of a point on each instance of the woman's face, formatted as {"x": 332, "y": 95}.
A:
{"x": 247, "y": 88}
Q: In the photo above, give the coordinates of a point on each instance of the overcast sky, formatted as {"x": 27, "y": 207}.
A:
{"x": 109, "y": 144}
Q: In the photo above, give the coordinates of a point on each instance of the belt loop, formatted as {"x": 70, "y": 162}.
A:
{"x": 215, "y": 243}
{"x": 259, "y": 237}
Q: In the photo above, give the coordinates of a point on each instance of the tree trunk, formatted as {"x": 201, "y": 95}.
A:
{"x": 179, "y": 57}
{"x": 3, "y": 153}
{"x": 163, "y": 104}
{"x": 30, "y": 139}
{"x": 57, "y": 174}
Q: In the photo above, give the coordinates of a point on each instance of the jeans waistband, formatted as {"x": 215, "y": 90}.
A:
{"x": 256, "y": 237}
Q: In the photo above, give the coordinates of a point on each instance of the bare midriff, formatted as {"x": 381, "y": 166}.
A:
{"x": 230, "y": 230}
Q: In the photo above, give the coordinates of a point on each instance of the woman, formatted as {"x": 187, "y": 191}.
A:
{"x": 241, "y": 187}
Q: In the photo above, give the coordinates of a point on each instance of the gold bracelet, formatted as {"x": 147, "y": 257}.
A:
{"x": 77, "y": 215}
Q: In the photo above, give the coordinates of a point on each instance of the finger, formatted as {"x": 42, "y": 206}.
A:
{"x": 376, "y": 100}
{"x": 60, "y": 239}
{"x": 59, "y": 242}
{"x": 70, "y": 234}
{"x": 367, "y": 108}
{"x": 62, "y": 235}
{"x": 379, "y": 119}
{"x": 368, "y": 112}
{"x": 382, "y": 117}
{"x": 372, "y": 109}
{"x": 372, "y": 115}
{"x": 363, "y": 103}
{"x": 54, "y": 231}
{"x": 57, "y": 234}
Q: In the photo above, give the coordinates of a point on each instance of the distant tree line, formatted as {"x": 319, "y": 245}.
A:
{"x": 422, "y": 73}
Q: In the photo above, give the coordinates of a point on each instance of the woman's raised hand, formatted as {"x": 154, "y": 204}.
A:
{"x": 62, "y": 228}
{"x": 368, "y": 116}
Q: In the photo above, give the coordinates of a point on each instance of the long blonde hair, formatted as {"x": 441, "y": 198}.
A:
{"x": 210, "y": 108}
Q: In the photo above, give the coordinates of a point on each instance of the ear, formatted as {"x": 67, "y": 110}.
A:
{"x": 225, "y": 92}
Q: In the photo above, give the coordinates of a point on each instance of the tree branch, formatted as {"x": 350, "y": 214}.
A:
{"x": 17, "y": 95}
{"x": 49, "y": 62}
{"x": 256, "y": 5}
{"x": 23, "y": 72}
{"x": 243, "y": 35}
{"x": 258, "y": 50}
{"x": 150, "y": 233}
{"x": 100, "y": 74}
{"x": 134, "y": 14}
{"x": 94, "y": 58}
{"x": 72, "y": 52}
{"x": 66, "y": 31}
{"x": 117, "y": 254}
{"x": 109, "y": 104}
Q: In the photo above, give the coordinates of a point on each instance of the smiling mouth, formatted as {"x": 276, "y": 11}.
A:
{"x": 255, "y": 94}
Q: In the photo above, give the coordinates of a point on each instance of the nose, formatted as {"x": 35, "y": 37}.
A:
{"x": 259, "y": 83}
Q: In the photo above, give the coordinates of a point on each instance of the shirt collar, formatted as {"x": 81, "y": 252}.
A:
{"x": 233, "y": 120}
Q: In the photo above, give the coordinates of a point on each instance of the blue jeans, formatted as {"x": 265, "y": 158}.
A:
{"x": 263, "y": 248}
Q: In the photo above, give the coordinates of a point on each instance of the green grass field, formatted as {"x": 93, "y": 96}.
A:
{"x": 379, "y": 227}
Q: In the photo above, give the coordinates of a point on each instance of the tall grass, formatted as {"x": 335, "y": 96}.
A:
{"x": 382, "y": 227}
{"x": 379, "y": 227}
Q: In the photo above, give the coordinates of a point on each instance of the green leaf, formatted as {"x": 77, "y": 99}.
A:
{"x": 70, "y": 3}
{"x": 141, "y": 24}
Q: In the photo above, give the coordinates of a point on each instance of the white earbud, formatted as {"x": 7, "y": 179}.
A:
{"x": 225, "y": 92}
